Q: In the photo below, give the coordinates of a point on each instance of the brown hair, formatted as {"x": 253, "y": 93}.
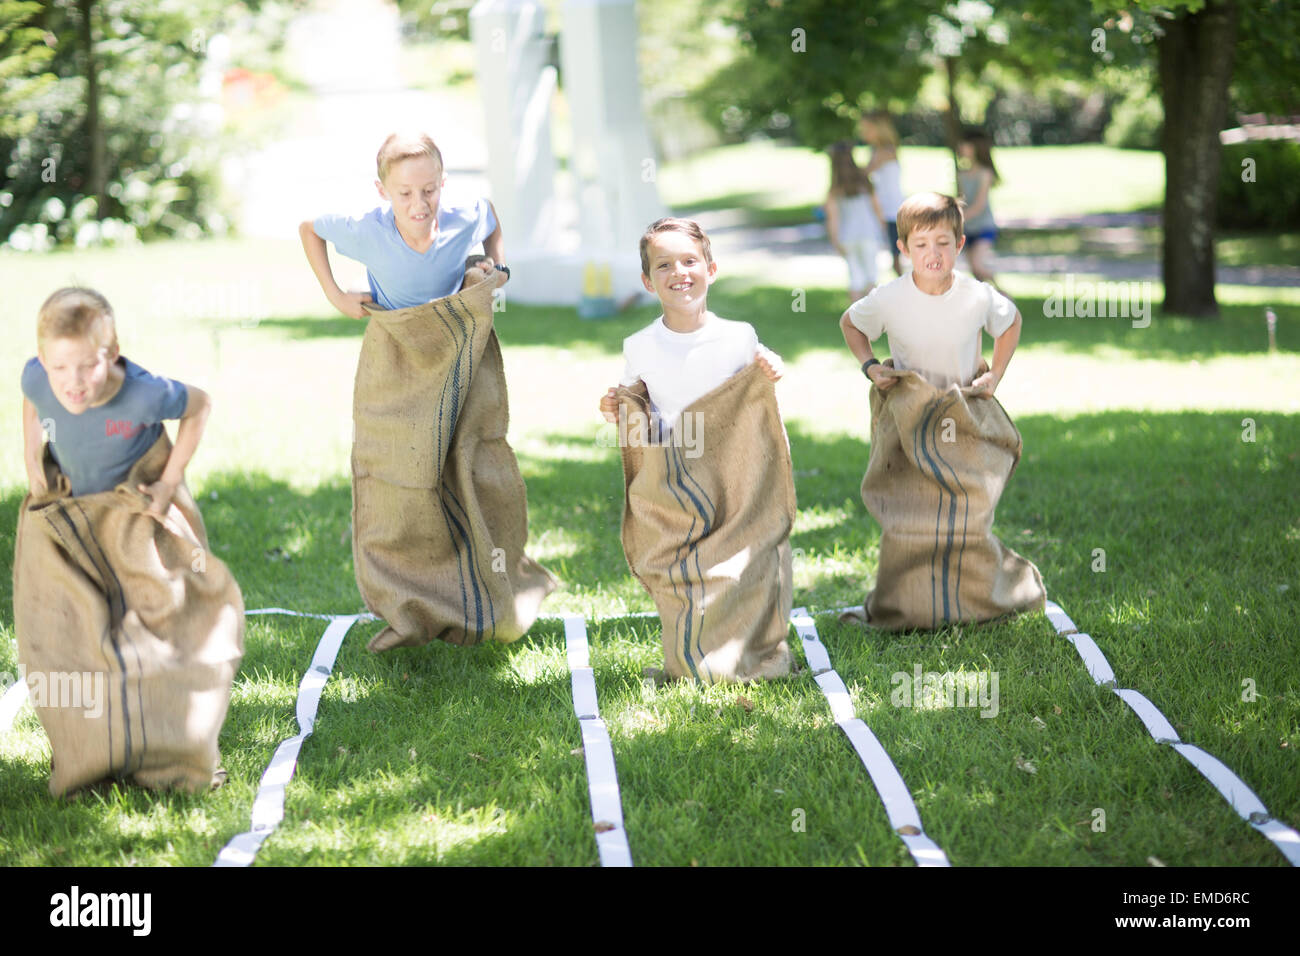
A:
{"x": 982, "y": 144}
{"x": 671, "y": 224}
{"x": 400, "y": 146}
{"x": 928, "y": 211}
{"x": 76, "y": 313}
{"x": 883, "y": 125}
{"x": 847, "y": 177}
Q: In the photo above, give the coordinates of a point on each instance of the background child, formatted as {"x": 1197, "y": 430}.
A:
{"x": 975, "y": 183}
{"x": 104, "y": 412}
{"x": 688, "y": 351}
{"x": 853, "y": 219}
{"x": 935, "y": 316}
{"x": 414, "y": 250}
{"x": 877, "y": 130}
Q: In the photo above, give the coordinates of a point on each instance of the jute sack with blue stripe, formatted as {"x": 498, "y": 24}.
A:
{"x": 706, "y": 528}
{"x": 129, "y": 632}
{"x": 439, "y": 517}
{"x": 938, "y": 465}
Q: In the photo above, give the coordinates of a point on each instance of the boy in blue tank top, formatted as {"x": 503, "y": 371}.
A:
{"x": 100, "y": 410}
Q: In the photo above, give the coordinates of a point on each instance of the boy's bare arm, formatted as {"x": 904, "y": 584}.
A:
{"x": 195, "y": 419}
{"x": 33, "y": 439}
{"x": 349, "y": 303}
{"x": 494, "y": 246}
{"x": 833, "y": 224}
{"x": 860, "y": 346}
{"x": 1003, "y": 348}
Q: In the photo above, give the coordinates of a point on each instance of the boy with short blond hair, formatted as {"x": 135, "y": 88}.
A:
{"x": 934, "y": 315}
{"x": 103, "y": 412}
{"x": 416, "y": 249}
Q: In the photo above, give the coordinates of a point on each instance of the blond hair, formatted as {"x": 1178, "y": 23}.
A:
{"x": 883, "y": 125}
{"x": 672, "y": 224}
{"x": 928, "y": 211}
{"x": 77, "y": 313}
{"x": 400, "y": 146}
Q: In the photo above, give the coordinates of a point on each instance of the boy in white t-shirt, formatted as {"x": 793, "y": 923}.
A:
{"x": 934, "y": 316}
{"x": 688, "y": 351}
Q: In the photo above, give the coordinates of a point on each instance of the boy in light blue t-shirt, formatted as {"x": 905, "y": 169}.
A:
{"x": 417, "y": 249}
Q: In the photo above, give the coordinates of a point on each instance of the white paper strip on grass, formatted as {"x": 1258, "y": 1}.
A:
{"x": 11, "y": 703}
{"x": 1059, "y": 619}
{"x": 1232, "y": 788}
{"x": 1156, "y": 723}
{"x": 1093, "y": 658}
{"x": 268, "y": 806}
{"x": 897, "y": 800}
{"x": 597, "y": 752}
{"x": 366, "y": 616}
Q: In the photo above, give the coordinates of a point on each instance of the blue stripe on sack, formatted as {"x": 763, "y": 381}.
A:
{"x": 688, "y": 600}
{"x": 965, "y": 498}
{"x": 919, "y": 450}
{"x": 482, "y": 593}
{"x": 708, "y": 517}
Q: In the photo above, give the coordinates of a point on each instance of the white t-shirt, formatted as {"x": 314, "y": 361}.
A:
{"x": 680, "y": 367}
{"x": 937, "y": 336}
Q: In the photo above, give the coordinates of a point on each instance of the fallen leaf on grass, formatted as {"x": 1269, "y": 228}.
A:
{"x": 1025, "y": 765}
{"x": 575, "y": 752}
{"x": 603, "y": 826}
{"x": 745, "y": 702}
{"x": 1155, "y": 861}
{"x": 1056, "y": 710}
{"x": 479, "y": 757}
{"x": 1039, "y": 723}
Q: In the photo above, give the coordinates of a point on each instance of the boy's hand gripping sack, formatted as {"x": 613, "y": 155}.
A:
{"x": 939, "y": 462}
{"x": 706, "y": 528}
{"x": 439, "y": 516}
{"x": 129, "y": 632}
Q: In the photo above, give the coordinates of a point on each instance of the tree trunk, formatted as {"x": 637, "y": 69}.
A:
{"x": 951, "y": 119}
{"x": 97, "y": 178}
{"x": 1196, "y": 57}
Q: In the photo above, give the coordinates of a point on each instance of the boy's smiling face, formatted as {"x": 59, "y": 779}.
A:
{"x": 679, "y": 274}
{"x": 414, "y": 186}
{"x": 933, "y": 253}
{"x": 79, "y": 370}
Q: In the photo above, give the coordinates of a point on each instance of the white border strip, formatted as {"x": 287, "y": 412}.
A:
{"x": 897, "y": 799}
{"x": 1244, "y": 801}
{"x": 602, "y": 778}
{"x": 268, "y": 806}
{"x": 11, "y": 703}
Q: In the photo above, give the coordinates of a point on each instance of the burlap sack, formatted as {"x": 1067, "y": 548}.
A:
{"x": 439, "y": 518}
{"x": 939, "y": 462}
{"x": 129, "y": 632}
{"x": 706, "y": 528}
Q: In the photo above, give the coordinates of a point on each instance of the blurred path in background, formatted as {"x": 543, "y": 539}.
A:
{"x": 348, "y": 53}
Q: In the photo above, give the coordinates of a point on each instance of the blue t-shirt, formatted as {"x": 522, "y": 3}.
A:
{"x": 97, "y": 448}
{"x": 399, "y": 276}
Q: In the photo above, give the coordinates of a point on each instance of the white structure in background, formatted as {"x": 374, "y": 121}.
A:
{"x": 556, "y": 240}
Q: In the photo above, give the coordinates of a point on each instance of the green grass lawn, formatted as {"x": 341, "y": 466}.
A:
{"x": 1134, "y": 444}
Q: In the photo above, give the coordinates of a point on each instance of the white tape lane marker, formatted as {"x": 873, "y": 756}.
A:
{"x": 1232, "y": 788}
{"x": 597, "y": 751}
{"x": 11, "y": 703}
{"x": 268, "y": 805}
{"x": 895, "y": 796}
{"x": 364, "y": 616}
